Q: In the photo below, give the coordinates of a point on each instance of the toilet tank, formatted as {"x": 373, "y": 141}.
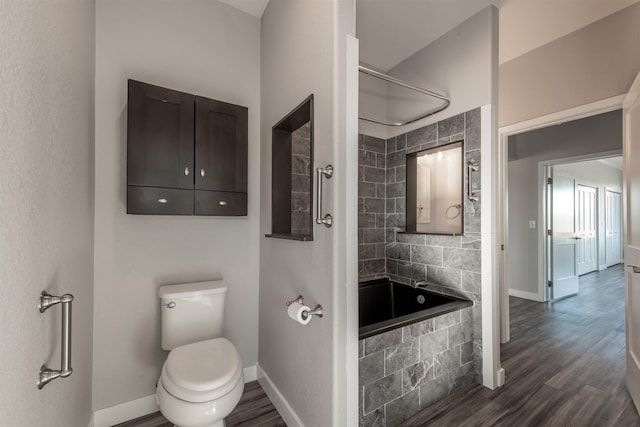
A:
{"x": 191, "y": 312}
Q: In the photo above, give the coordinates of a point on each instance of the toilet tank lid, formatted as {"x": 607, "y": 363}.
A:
{"x": 192, "y": 289}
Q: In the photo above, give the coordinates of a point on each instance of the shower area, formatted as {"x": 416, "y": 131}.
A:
{"x": 423, "y": 122}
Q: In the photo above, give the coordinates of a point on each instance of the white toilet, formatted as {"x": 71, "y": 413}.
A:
{"x": 201, "y": 380}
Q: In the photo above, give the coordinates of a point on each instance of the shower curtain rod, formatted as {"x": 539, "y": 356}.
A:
{"x": 404, "y": 84}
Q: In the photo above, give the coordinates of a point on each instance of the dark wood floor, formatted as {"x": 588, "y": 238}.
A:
{"x": 254, "y": 409}
{"x": 565, "y": 366}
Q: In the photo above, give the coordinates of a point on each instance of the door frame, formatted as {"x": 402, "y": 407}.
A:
{"x": 621, "y": 248}
{"x": 499, "y": 174}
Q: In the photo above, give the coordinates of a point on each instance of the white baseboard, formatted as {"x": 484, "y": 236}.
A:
{"x": 145, "y": 405}
{"x": 524, "y": 294}
{"x": 125, "y": 411}
{"x": 284, "y": 409}
{"x": 602, "y": 267}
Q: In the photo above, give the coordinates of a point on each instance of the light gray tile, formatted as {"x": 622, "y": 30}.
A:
{"x": 446, "y": 320}
{"x": 415, "y": 239}
{"x": 466, "y": 352}
{"x": 366, "y": 189}
{"x": 472, "y": 129}
{"x": 471, "y": 242}
{"x": 374, "y": 144}
{"x": 460, "y": 333}
{"x": 396, "y": 159}
{"x": 360, "y": 348}
{"x": 430, "y": 255}
{"x": 446, "y": 361}
{"x": 433, "y": 343}
{"x": 462, "y": 259}
{"x": 401, "y": 142}
{"x": 374, "y": 205}
{"x": 366, "y": 252}
{"x": 373, "y": 267}
{"x": 366, "y": 220}
{"x": 371, "y": 368}
{"x": 381, "y": 341}
{"x": 382, "y": 391}
{"x": 396, "y": 220}
{"x": 398, "y": 251}
{"x": 462, "y": 376}
{"x": 373, "y": 235}
{"x": 471, "y": 282}
{"x": 451, "y": 126}
{"x": 423, "y": 135}
{"x": 396, "y": 189}
{"x": 392, "y": 266}
{"x": 367, "y": 158}
{"x": 374, "y": 419}
{"x": 416, "y": 330}
{"x": 448, "y": 277}
{"x": 412, "y": 270}
{"x": 416, "y": 375}
{"x": 434, "y": 390}
{"x": 374, "y": 174}
{"x": 401, "y": 356}
{"x": 444, "y": 241}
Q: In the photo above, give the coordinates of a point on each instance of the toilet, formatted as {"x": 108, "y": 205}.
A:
{"x": 201, "y": 380}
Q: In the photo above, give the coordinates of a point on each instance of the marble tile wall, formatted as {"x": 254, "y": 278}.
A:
{"x": 407, "y": 369}
{"x": 371, "y": 207}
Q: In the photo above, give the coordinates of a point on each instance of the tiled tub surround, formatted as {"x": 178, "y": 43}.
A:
{"x": 300, "y": 180}
{"x": 451, "y": 262}
{"x": 371, "y": 207}
{"x": 407, "y": 369}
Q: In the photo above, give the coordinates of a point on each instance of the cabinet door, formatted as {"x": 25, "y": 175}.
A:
{"x": 221, "y": 146}
{"x": 160, "y": 137}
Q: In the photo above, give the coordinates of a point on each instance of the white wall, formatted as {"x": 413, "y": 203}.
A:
{"x": 196, "y": 46}
{"x": 303, "y": 367}
{"x": 458, "y": 65}
{"x": 46, "y": 205}
{"x": 597, "y": 134}
{"x": 594, "y": 63}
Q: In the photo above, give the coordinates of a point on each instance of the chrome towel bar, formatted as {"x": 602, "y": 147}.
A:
{"x": 47, "y": 375}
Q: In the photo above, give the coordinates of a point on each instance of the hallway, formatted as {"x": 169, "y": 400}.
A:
{"x": 565, "y": 365}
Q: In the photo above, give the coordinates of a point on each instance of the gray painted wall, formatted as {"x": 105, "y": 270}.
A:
{"x": 46, "y": 205}
{"x": 595, "y": 134}
{"x": 596, "y": 62}
{"x": 180, "y": 45}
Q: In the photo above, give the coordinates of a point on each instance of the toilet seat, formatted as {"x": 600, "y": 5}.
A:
{"x": 202, "y": 371}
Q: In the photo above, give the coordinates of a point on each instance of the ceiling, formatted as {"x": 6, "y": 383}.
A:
{"x": 614, "y": 162}
{"x": 392, "y": 30}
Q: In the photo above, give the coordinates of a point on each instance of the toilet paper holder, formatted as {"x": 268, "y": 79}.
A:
{"x": 316, "y": 311}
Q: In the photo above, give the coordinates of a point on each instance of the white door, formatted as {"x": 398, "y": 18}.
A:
{"x": 586, "y": 213}
{"x": 631, "y": 153}
{"x": 613, "y": 228}
{"x": 563, "y": 265}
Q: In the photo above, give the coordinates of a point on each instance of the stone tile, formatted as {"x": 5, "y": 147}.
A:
{"x": 400, "y": 204}
{"x": 371, "y": 368}
{"x": 416, "y": 375}
{"x": 472, "y": 214}
{"x": 434, "y": 390}
{"x": 396, "y": 220}
{"x": 374, "y": 205}
{"x": 444, "y": 141}
{"x": 412, "y": 270}
{"x": 428, "y": 145}
{"x": 466, "y": 352}
{"x": 466, "y": 315}
{"x": 433, "y": 343}
{"x": 382, "y": 391}
{"x": 390, "y": 233}
{"x": 446, "y": 320}
{"x": 446, "y": 361}
{"x": 401, "y": 173}
{"x": 396, "y": 159}
{"x": 374, "y": 174}
{"x": 444, "y": 277}
{"x": 391, "y": 175}
{"x": 381, "y": 250}
{"x": 360, "y": 173}
{"x": 300, "y": 183}
{"x": 430, "y": 255}
{"x": 374, "y": 419}
{"x": 360, "y": 141}
{"x": 398, "y": 251}
{"x": 372, "y": 267}
{"x": 366, "y": 252}
{"x": 401, "y": 356}
{"x": 403, "y": 408}
{"x": 472, "y": 129}
{"x": 381, "y": 190}
{"x": 373, "y": 235}
{"x": 477, "y": 362}
{"x": 390, "y": 205}
{"x": 462, "y": 376}
{"x": 300, "y": 202}
{"x": 381, "y": 341}
{"x": 401, "y": 142}
{"x": 471, "y": 282}
{"x": 396, "y": 189}
{"x": 457, "y": 137}
{"x": 418, "y": 329}
{"x": 381, "y": 221}
{"x": 392, "y": 266}
{"x": 360, "y": 348}
{"x": 471, "y": 242}
{"x": 475, "y": 176}
{"x": 374, "y": 144}
{"x": 423, "y": 135}
{"x": 462, "y": 259}
{"x": 300, "y": 164}
{"x": 391, "y": 145}
{"x": 444, "y": 241}
{"x": 367, "y": 158}
{"x": 450, "y": 126}
{"x": 366, "y": 220}
{"x": 460, "y": 333}
{"x": 414, "y": 239}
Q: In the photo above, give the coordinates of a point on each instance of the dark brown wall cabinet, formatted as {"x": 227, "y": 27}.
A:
{"x": 186, "y": 154}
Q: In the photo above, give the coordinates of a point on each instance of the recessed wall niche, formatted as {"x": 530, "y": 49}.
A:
{"x": 292, "y": 178}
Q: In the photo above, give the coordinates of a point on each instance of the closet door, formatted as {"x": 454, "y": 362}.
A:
{"x": 160, "y": 137}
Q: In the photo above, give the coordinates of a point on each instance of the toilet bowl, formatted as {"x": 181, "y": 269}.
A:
{"x": 201, "y": 383}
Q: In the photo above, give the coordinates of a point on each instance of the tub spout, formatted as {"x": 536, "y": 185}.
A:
{"x": 420, "y": 284}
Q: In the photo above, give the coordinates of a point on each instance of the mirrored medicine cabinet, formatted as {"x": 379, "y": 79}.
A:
{"x": 435, "y": 190}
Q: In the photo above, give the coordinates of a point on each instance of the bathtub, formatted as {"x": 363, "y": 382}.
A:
{"x": 385, "y": 305}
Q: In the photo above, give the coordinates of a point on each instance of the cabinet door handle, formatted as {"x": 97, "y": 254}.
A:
{"x": 222, "y": 203}
{"x": 202, "y": 174}
{"x": 186, "y": 171}
{"x": 163, "y": 201}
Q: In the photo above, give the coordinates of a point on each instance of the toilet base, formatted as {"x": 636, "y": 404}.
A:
{"x": 198, "y": 414}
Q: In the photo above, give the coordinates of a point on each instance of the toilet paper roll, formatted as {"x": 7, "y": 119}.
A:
{"x": 295, "y": 311}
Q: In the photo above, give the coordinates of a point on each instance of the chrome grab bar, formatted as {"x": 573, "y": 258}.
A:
{"x": 327, "y": 172}
{"x": 47, "y": 375}
{"x": 472, "y": 166}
